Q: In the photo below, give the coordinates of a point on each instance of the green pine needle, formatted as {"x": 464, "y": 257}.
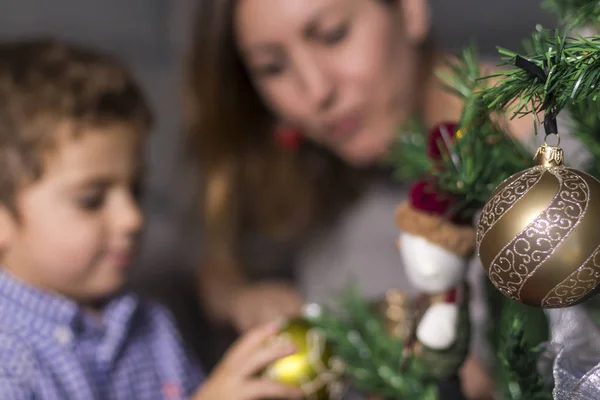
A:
{"x": 575, "y": 13}
{"x": 479, "y": 160}
{"x": 585, "y": 126}
{"x": 572, "y": 66}
{"x": 484, "y": 155}
{"x": 408, "y": 158}
{"x": 372, "y": 357}
{"x": 520, "y": 359}
{"x": 516, "y": 334}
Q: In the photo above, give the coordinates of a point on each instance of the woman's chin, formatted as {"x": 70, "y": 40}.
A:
{"x": 363, "y": 153}
{"x": 367, "y": 148}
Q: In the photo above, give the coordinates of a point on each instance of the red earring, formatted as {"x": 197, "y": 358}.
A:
{"x": 288, "y": 137}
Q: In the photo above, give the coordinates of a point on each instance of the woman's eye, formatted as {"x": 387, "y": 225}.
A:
{"x": 91, "y": 201}
{"x": 334, "y": 36}
{"x": 268, "y": 70}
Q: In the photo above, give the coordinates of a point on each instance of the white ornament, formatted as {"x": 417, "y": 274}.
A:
{"x": 429, "y": 267}
{"x": 439, "y": 325}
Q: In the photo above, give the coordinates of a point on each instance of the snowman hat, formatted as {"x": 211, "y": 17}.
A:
{"x": 432, "y": 214}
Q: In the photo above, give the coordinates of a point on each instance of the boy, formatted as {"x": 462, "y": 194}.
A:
{"x": 72, "y": 126}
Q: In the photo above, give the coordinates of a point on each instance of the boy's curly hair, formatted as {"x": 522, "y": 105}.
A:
{"x": 44, "y": 83}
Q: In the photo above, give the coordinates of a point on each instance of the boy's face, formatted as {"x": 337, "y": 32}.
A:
{"x": 78, "y": 225}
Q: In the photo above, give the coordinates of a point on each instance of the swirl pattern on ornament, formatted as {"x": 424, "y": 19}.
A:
{"x": 527, "y": 252}
{"x": 577, "y": 285}
{"x": 505, "y": 199}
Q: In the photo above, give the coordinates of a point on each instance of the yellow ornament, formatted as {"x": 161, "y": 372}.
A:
{"x": 312, "y": 368}
{"x": 538, "y": 236}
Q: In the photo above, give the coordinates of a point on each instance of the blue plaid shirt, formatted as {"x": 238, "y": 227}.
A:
{"x": 51, "y": 350}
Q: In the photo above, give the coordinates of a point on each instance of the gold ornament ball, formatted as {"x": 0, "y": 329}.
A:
{"x": 312, "y": 368}
{"x": 538, "y": 236}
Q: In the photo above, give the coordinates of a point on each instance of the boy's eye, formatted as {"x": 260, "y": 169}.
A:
{"x": 91, "y": 201}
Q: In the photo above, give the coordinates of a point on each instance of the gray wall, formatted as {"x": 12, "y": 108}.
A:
{"x": 488, "y": 23}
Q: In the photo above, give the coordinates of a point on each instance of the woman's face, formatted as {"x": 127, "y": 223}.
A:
{"x": 343, "y": 71}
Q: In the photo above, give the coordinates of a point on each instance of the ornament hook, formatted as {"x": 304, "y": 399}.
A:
{"x": 549, "y": 155}
{"x": 552, "y": 145}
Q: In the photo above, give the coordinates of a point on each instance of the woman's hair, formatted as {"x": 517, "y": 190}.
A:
{"x": 248, "y": 181}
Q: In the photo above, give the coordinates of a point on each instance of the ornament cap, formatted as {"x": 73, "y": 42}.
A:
{"x": 549, "y": 156}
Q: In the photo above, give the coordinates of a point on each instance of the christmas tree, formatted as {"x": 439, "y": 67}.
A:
{"x": 468, "y": 168}
{"x": 557, "y": 72}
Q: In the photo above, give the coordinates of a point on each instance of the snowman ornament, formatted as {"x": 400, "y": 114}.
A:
{"x": 435, "y": 246}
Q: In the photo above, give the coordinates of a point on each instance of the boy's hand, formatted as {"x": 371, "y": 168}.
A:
{"x": 235, "y": 377}
{"x": 259, "y": 303}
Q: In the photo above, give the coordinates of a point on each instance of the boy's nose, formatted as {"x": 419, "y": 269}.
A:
{"x": 129, "y": 220}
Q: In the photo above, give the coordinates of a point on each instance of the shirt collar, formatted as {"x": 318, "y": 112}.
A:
{"x": 59, "y": 310}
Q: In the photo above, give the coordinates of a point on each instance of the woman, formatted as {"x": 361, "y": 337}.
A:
{"x": 342, "y": 75}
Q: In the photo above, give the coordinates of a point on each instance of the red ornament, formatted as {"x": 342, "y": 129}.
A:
{"x": 439, "y": 138}
{"x": 451, "y": 296}
{"x": 288, "y": 138}
{"x": 426, "y": 197}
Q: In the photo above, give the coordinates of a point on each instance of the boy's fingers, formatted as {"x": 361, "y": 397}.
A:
{"x": 265, "y": 356}
{"x": 266, "y": 389}
{"x": 287, "y": 308}
{"x": 244, "y": 321}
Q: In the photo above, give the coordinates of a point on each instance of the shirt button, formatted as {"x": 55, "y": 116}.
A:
{"x": 63, "y": 335}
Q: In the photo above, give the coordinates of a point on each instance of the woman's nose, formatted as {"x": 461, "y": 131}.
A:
{"x": 316, "y": 84}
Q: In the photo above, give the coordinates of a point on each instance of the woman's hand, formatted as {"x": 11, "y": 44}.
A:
{"x": 475, "y": 381}
{"x": 256, "y": 304}
{"x": 235, "y": 378}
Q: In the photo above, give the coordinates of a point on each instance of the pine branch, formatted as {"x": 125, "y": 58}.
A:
{"x": 569, "y": 69}
{"x": 408, "y": 155}
{"x": 482, "y": 156}
{"x": 575, "y": 13}
{"x": 585, "y": 126}
{"x": 520, "y": 359}
{"x": 486, "y": 154}
{"x": 373, "y": 358}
